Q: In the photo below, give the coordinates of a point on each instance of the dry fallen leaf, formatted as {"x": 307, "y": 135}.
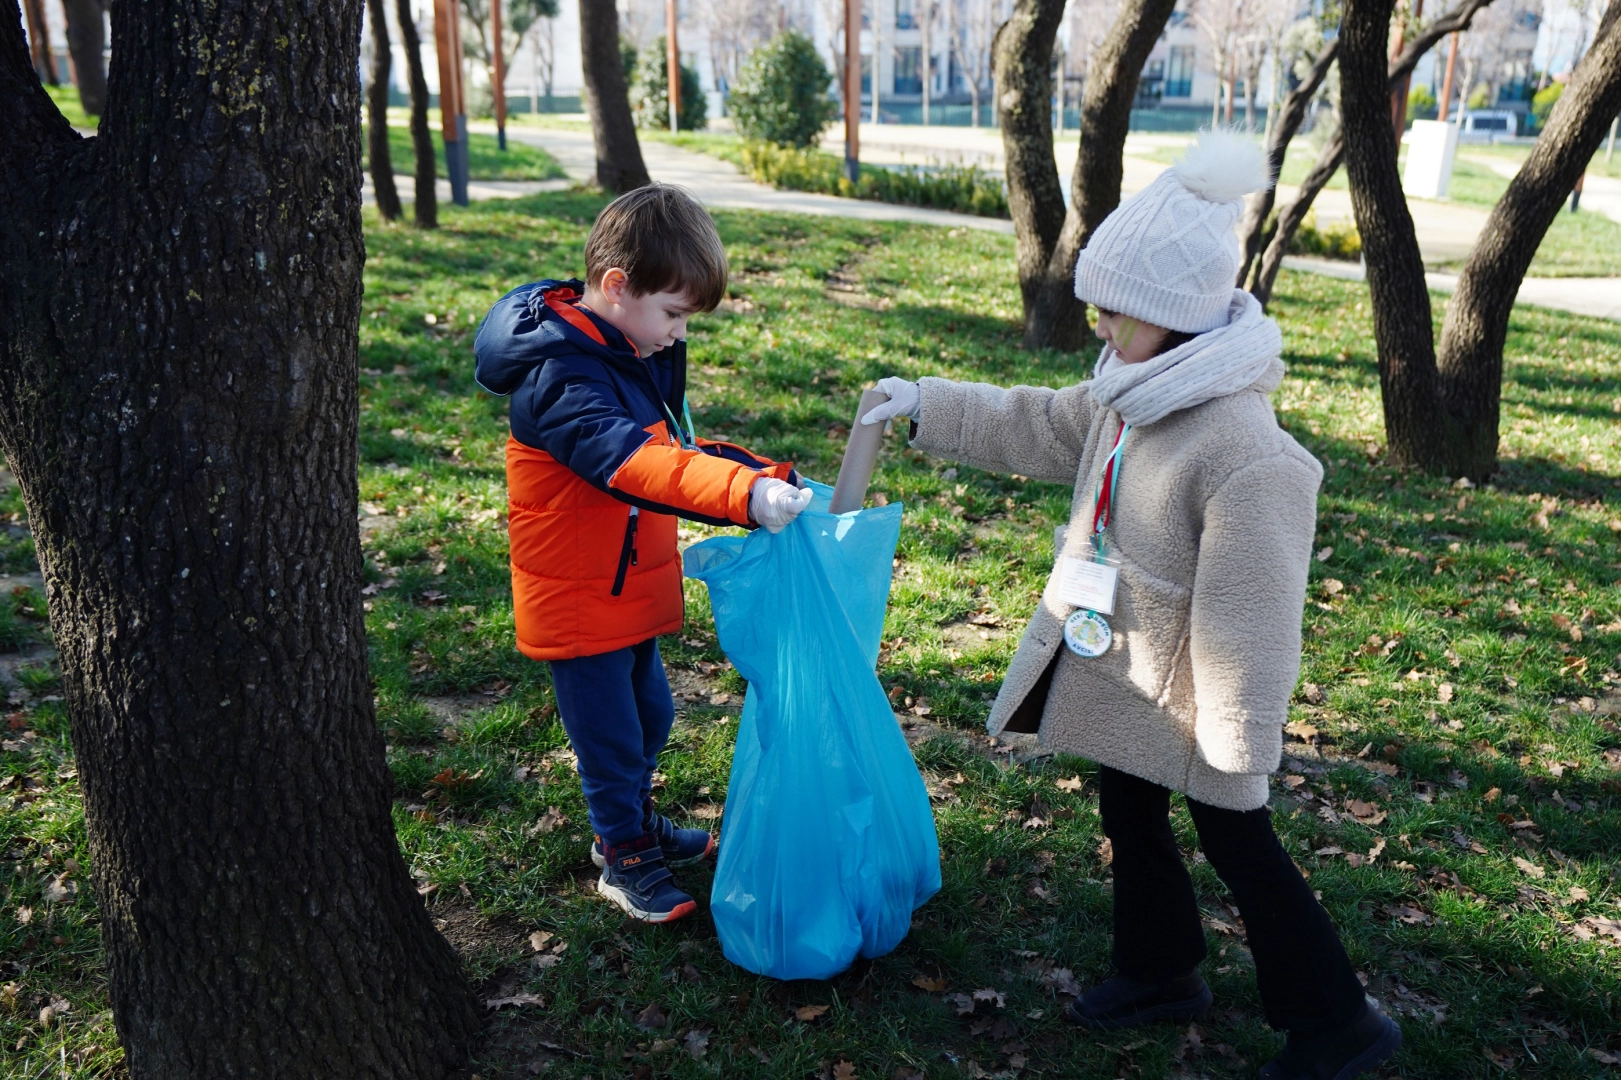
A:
{"x": 1063, "y": 981}
{"x": 539, "y": 938}
{"x": 551, "y": 819}
{"x": 933, "y": 986}
{"x": 1578, "y": 894}
{"x": 1333, "y": 586}
{"x": 1530, "y": 867}
{"x": 809, "y": 1013}
{"x": 651, "y": 1018}
{"x": 1443, "y": 692}
{"x": 991, "y": 995}
{"x": 844, "y": 1071}
{"x": 697, "y": 1044}
{"x": 1074, "y": 783}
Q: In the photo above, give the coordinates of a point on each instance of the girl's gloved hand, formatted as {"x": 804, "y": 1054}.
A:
{"x": 903, "y": 400}
{"x": 774, "y": 503}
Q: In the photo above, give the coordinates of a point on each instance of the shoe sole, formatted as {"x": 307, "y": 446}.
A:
{"x": 600, "y": 862}
{"x": 1188, "y": 1009}
{"x": 1387, "y": 1045}
{"x": 620, "y": 897}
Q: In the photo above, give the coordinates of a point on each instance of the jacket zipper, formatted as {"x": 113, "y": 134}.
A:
{"x": 627, "y": 553}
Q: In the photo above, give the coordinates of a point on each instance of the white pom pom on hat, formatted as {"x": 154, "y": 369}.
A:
{"x": 1222, "y": 166}
{"x": 1168, "y": 255}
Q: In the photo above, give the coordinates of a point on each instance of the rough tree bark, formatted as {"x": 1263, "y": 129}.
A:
{"x": 1291, "y": 114}
{"x": 1054, "y": 318}
{"x": 382, "y": 64}
{"x": 613, "y": 129}
{"x": 179, "y": 302}
{"x": 425, "y": 210}
{"x": 1415, "y": 425}
{"x": 87, "y": 37}
{"x": 1020, "y": 58}
{"x": 1333, "y": 151}
{"x": 1470, "y": 367}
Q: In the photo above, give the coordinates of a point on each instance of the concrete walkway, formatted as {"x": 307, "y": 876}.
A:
{"x": 1598, "y": 297}
{"x": 718, "y": 184}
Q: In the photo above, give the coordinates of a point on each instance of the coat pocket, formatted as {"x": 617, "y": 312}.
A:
{"x": 1150, "y": 629}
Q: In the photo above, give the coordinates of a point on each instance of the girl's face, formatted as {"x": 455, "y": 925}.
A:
{"x": 1133, "y": 339}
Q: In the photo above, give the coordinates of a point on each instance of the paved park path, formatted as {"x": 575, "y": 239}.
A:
{"x": 1442, "y": 227}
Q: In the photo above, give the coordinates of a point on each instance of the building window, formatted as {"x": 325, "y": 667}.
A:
{"x": 909, "y": 70}
{"x": 866, "y": 73}
{"x": 1179, "y": 72}
{"x": 905, "y": 16}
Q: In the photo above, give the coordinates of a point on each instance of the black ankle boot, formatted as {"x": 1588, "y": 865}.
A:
{"x": 1123, "y": 1002}
{"x": 1351, "y": 1051}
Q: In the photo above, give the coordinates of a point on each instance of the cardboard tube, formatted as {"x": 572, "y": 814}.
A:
{"x": 860, "y": 456}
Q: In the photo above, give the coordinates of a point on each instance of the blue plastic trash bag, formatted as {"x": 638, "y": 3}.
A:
{"x": 828, "y": 843}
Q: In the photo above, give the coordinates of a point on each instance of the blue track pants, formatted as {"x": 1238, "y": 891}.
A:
{"x": 617, "y": 710}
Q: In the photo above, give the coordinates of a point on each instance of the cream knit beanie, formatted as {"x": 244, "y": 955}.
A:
{"x": 1168, "y": 255}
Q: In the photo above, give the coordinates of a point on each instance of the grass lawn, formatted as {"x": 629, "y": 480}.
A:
{"x": 66, "y": 98}
{"x": 1452, "y": 782}
{"x": 485, "y": 158}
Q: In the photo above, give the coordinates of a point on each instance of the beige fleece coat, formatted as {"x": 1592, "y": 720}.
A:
{"x": 1213, "y": 524}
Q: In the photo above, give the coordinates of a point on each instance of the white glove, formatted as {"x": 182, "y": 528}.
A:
{"x": 774, "y": 503}
{"x": 903, "y": 400}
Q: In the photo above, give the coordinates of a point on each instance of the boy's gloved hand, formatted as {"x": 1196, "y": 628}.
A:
{"x": 773, "y": 503}
{"x": 903, "y": 400}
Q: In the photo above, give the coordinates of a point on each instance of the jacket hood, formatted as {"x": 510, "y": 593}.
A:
{"x": 535, "y": 323}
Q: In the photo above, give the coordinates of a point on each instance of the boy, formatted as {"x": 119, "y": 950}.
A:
{"x": 597, "y": 469}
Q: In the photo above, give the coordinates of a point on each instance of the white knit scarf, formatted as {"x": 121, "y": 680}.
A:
{"x": 1239, "y": 356}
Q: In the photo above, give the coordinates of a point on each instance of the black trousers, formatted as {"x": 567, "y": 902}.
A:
{"x": 1306, "y": 980}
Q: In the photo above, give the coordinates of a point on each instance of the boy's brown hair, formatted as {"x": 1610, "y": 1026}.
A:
{"x": 664, "y": 241}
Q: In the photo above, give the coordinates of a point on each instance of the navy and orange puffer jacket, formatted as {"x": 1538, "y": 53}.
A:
{"x": 597, "y": 472}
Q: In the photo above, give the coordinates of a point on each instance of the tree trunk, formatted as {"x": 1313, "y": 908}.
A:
{"x": 179, "y": 302}
{"x": 1289, "y": 218}
{"x": 426, "y": 209}
{"x": 1416, "y": 428}
{"x": 1333, "y": 152}
{"x": 1020, "y": 58}
{"x": 1056, "y": 319}
{"x": 1421, "y": 430}
{"x": 1471, "y": 360}
{"x": 613, "y": 129}
{"x": 1290, "y": 115}
{"x": 382, "y": 166}
{"x": 87, "y": 37}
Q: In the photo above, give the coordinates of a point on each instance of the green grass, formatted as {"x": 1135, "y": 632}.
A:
{"x": 66, "y": 98}
{"x": 485, "y": 158}
{"x": 1465, "y": 639}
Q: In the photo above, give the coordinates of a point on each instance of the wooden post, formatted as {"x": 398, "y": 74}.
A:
{"x": 1398, "y": 96}
{"x": 852, "y": 90}
{"x": 499, "y": 90}
{"x": 452, "y": 111}
{"x": 39, "y": 41}
{"x": 672, "y": 62}
{"x": 1446, "y": 81}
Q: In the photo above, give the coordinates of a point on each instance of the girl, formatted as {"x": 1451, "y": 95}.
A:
{"x": 1167, "y": 641}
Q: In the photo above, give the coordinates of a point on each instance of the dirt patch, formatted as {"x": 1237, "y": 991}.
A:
{"x": 692, "y": 687}
{"x": 452, "y": 708}
{"x": 477, "y": 938}
{"x": 966, "y": 636}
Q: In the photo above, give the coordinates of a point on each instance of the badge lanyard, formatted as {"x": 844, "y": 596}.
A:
{"x": 1091, "y": 585}
{"x": 689, "y": 437}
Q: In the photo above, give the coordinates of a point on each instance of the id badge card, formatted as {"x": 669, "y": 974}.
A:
{"x": 1089, "y": 581}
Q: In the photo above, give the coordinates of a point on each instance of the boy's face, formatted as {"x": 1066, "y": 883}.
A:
{"x": 651, "y": 321}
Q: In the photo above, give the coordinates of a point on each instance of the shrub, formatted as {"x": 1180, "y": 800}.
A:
{"x": 650, "y": 93}
{"x": 962, "y": 188}
{"x": 781, "y": 93}
{"x": 1542, "y": 102}
{"x": 1339, "y": 241}
{"x": 1421, "y": 104}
